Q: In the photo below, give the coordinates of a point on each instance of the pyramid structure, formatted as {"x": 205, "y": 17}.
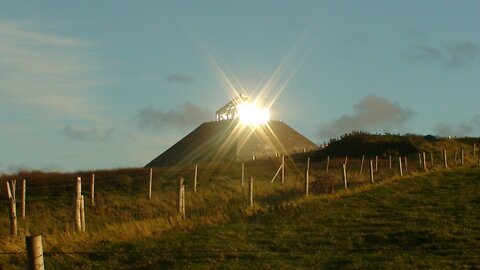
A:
{"x": 230, "y": 140}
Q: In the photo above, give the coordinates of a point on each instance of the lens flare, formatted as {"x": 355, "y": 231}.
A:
{"x": 251, "y": 114}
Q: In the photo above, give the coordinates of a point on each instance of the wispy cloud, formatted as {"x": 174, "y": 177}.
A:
{"x": 179, "y": 78}
{"x": 45, "y": 71}
{"x": 449, "y": 56}
{"x": 465, "y": 128}
{"x": 87, "y": 134}
{"x": 183, "y": 116}
{"x": 371, "y": 114}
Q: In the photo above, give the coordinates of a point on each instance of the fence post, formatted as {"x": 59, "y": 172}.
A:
{"x": 361, "y": 165}
{"x": 24, "y": 191}
{"x": 400, "y": 166}
{"x": 371, "y": 171}
{"x": 181, "y": 198}
{"x": 405, "y": 165}
{"x": 243, "y": 173}
{"x": 346, "y": 160}
{"x": 474, "y": 151}
{"x": 463, "y": 157}
{"x": 376, "y": 163}
{"x": 424, "y": 162}
{"x": 92, "y": 191}
{"x": 34, "y": 252}
{"x": 250, "y": 187}
{"x": 445, "y": 162}
{"x": 431, "y": 159}
{"x": 328, "y": 163}
{"x": 390, "y": 162}
{"x": 420, "y": 160}
{"x": 82, "y": 212}
{"x": 283, "y": 169}
{"x": 307, "y": 172}
{"x": 13, "y": 207}
{"x": 78, "y": 198}
{"x": 344, "y": 173}
{"x": 195, "y": 177}
{"x": 150, "y": 180}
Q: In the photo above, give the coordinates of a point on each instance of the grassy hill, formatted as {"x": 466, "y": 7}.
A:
{"x": 423, "y": 220}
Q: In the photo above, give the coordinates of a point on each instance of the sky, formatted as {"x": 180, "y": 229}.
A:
{"x": 107, "y": 84}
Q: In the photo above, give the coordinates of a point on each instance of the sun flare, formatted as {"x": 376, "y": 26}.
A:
{"x": 251, "y": 114}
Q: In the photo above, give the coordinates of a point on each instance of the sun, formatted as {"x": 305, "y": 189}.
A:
{"x": 251, "y": 114}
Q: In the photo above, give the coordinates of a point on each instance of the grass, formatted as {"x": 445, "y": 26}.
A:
{"x": 423, "y": 221}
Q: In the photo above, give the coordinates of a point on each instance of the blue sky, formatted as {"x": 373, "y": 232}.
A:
{"x": 106, "y": 84}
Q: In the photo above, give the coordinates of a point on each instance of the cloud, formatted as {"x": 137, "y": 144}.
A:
{"x": 183, "y": 116}
{"x": 87, "y": 134}
{"x": 46, "y": 72}
{"x": 449, "y": 56}
{"x": 466, "y": 128}
{"x": 371, "y": 114}
{"x": 180, "y": 78}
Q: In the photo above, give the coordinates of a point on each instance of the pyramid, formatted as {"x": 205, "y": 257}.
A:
{"x": 230, "y": 140}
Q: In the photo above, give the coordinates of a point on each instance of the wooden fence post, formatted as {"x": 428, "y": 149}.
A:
{"x": 34, "y": 252}
{"x": 328, "y": 163}
{"x": 474, "y": 151}
{"x": 92, "y": 191}
{"x": 431, "y": 159}
{"x": 424, "y": 162}
{"x": 150, "y": 182}
{"x": 420, "y": 160}
{"x": 400, "y": 166}
{"x": 346, "y": 160}
{"x": 13, "y": 207}
{"x": 243, "y": 173}
{"x": 307, "y": 172}
{"x": 344, "y": 174}
{"x": 78, "y": 198}
{"x": 250, "y": 187}
{"x": 445, "y": 162}
{"x": 390, "y": 162}
{"x": 376, "y": 163}
{"x": 361, "y": 165}
{"x": 371, "y": 171}
{"x": 405, "y": 163}
{"x": 181, "y": 198}
{"x": 195, "y": 179}
{"x": 463, "y": 157}
{"x": 283, "y": 169}
{"x": 24, "y": 191}
{"x": 82, "y": 212}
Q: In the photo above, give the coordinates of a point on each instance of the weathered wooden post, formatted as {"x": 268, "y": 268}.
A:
{"x": 376, "y": 163}
{"x": 82, "y": 212}
{"x": 328, "y": 163}
{"x": 474, "y": 151}
{"x": 150, "y": 183}
{"x": 371, "y": 171}
{"x": 405, "y": 163}
{"x": 463, "y": 157}
{"x": 250, "y": 187}
{"x": 24, "y": 191}
{"x": 78, "y": 198}
{"x": 283, "y": 169}
{"x": 445, "y": 162}
{"x": 390, "y": 162}
{"x": 243, "y": 173}
{"x": 424, "y": 161}
{"x": 34, "y": 252}
{"x": 361, "y": 165}
{"x": 92, "y": 191}
{"x": 346, "y": 160}
{"x": 181, "y": 199}
{"x": 13, "y": 207}
{"x": 344, "y": 174}
{"x": 431, "y": 159}
{"x": 420, "y": 160}
{"x": 195, "y": 179}
{"x": 400, "y": 166}
{"x": 307, "y": 172}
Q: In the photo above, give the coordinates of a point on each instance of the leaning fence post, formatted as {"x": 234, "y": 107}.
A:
{"x": 13, "y": 207}
{"x": 24, "y": 191}
{"x": 400, "y": 165}
{"x": 307, "y": 172}
{"x": 78, "y": 198}
{"x": 390, "y": 162}
{"x": 328, "y": 163}
{"x": 34, "y": 252}
{"x": 371, "y": 171}
{"x": 195, "y": 177}
{"x": 346, "y": 160}
{"x": 361, "y": 165}
{"x": 82, "y": 212}
{"x": 92, "y": 191}
{"x": 243, "y": 173}
{"x": 181, "y": 199}
{"x": 251, "y": 191}
{"x": 376, "y": 163}
{"x": 150, "y": 182}
{"x": 445, "y": 162}
{"x": 344, "y": 174}
{"x": 283, "y": 169}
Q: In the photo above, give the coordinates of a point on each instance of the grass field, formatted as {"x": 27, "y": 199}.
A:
{"x": 421, "y": 221}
